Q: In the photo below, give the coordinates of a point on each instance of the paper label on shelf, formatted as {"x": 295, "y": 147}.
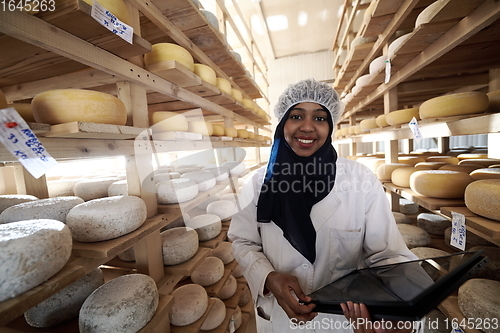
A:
{"x": 232, "y": 329}
{"x": 387, "y": 71}
{"x": 458, "y": 231}
{"x": 22, "y": 143}
{"x": 417, "y": 135}
{"x": 111, "y": 22}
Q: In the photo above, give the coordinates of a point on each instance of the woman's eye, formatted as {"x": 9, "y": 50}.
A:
{"x": 295, "y": 116}
{"x": 321, "y": 118}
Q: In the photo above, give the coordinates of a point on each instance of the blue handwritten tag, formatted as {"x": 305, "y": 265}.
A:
{"x": 21, "y": 142}
{"x": 413, "y": 124}
{"x": 111, "y": 22}
{"x": 458, "y": 231}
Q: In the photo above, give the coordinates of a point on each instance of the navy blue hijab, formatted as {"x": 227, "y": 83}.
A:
{"x": 292, "y": 185}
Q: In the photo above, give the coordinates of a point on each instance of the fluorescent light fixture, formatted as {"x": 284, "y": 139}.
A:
{"x": 277, "y": 22}
{"x": 302, "y": 18}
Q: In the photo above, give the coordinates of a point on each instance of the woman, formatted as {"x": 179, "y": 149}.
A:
{"x": 309, "y": 217}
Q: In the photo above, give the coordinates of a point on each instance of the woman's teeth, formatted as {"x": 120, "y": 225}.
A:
{"x": 304, "y": 141}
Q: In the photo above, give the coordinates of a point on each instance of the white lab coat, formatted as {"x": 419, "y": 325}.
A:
{"x": 354, "y": 228}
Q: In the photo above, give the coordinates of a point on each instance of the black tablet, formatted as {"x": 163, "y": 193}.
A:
{"x": 402, "y": 291}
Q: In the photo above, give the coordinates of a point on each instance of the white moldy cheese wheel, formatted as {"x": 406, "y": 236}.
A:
{"x": 90, "y": 189}
{"x": 396, "y": 45}
{"x": 7, "y": 200}
{"x": 384, "y": 171}
{"x": 245, "y": 296}
{"x": 218, "y": 130}
{"x": 401, "y": 218}
{"x": 229, "y": 288}
{"x": 206, "y": 73}
{"x": 106, "y": 218}
{"x": 224, "y": 251}
{"x": 163, "y": 52}
{"x": 65, "y": 304}
{"x": 224, "y": 209}
{"x": 445, "y": 159}
{"x": 61, "y": 187}
{"x": 483, "y": 197}
{"x": 32, "y": 252}
{"x": 176, "y": 190}
{"x": 221, "y": 172}
{"x": 231, "y": 132}
{"x": 403, "y": 116}
{"x": 408, "y": 207}
{"x": 124, "y": 304}
{"x": 428, "y": 252}
{"x": 205, "y": 179}
{"x": 179, "y": 245}
{"x": 215, "y": 316}
{"x": 442, "y": 184}
{"x": 190, "y": 304}
{"x": 478, "y": 300}
{"x": 51, "y": 208}
{"x": 429, "y": 12}
{"x": 68, "y": 105}
{"x": 210, "y": 271}
{"x": 204, "y": 204}
{"x": 164, "y": 121}
{"x": 432, "y": 223}
{"x": 235, "y": 168}
{"x": 208, "y": 226}
{"x": 454, "y": 105}
{"x": 486, "y": 173}
{"x": 377, "y": 64}
{"x": 414, "y": 236}
{"x": 119, "y": 187}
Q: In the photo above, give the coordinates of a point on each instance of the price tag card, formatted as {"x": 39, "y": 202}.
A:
{"x": 415, "y": 130}
{"x": 387, "y": 71}
{"x": 21, "y": 142}
{"x": 458, "y": 231}
{"x": 111, "y": 22}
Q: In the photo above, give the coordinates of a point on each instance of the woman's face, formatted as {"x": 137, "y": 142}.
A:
{"x": 306, "y": 128}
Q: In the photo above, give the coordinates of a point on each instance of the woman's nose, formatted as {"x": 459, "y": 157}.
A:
{"x": 307, "y": 125}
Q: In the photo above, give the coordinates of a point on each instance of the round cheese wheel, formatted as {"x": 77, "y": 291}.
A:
{"x": 245, "y": 296}
{"x": 237, "y": 95}
{"x": 65, "y": 304}
{"x": 414, "y": 236}
{"x": 429, "y": 165}
{"x": 209, "y": 272}
{"x": 482, "y": 198}
{"x": 410, "y": 160}
{"x": 218, "y": 130}
{"x": 91, "y": 189}
{"x": 492, "y": 269}
{"x": 428, "y": 252}
{"x": 205, "y": 179}
{"x": 429, "y": 12}
{"x": 237, "y": 318}
{"x": 485, "y": 162}
{"x": 215, "y": 316}
{"x": 384, "y": 171}
{"x": 208, "y": 226}
{"x": 179, "y": 245}
{"x": 467, "y": 168}
{"x": 494, "y": 100}
{"x": 401, "y": 218}
{"x": 230, "y": 196}
{"x": 206, "y": 73}
{"x": 242, "y": 133}
{"x": 224, "y": 251}
{"x": 396, "y": 45}
{"x": 364, "y": 80}
{"x": 484, "y": 173}
{"x": 377, "y": 65}
{"x": 466, "y": 156}
{"x": 442, "y": 184}
{"x": 446, "y": 159}
{"x": 164, "y": 121}
{"x": 229, "y": 288}
{"x": 200, "y": 126}
{"x": 61, "y": 187}
{"x": 355, "y": 90}
{"x": 211, "y": 18}
{"x": 67, "y": 105}
{"x": 237, "y": 271}
{"x": 381, "y": 121}
{"x": 374, "y": 163}
{"x": 127, "y": 255}
{"x": 478, "y": 300}
{"x": 176, "y": 190}
{"x": 116, "y": 7}
{"x": 224, "y": 85}
{"x": 360, "y": 40}
{"x": 235, "y": 168}
{"x": 24, "y": 110}
{"x": 106, "y": 218}
{"x": 224, "y": 209}
{"x": 368, "y": 124}
{"x": 432, "y": 223}
{"x": 408, "y": 207}
{"x": 118, "y": 188}
{"x": 403, "y": 116}
{"x": 231, "y": 132}
{"x": 32, "y": 252}
{"x": 221, "y": 172}
{"x": 454, "y": 105}
{"x": 7, "y": 200}
{"x": 124, "y": 304}
{"x": 190, "y": 304}
{"x": 51, "y": 208}
{"x": 163, "y": 52}
{"x": 248, "y": 103}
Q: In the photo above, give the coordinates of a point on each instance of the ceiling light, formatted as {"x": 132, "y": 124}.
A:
{"x": 302, "y": 19}
{"x": 277, "y": 22}
{"x": 256, "y": 25}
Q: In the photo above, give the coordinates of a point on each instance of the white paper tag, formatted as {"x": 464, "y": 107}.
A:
{"x": 387, "y": 71}
{"x": 22, "y": 143}
{"x": 232, "y": 328}
{"x": 458, "y": 231}
{"x": 417, "y": 135}
{"x": 111, "y": 22}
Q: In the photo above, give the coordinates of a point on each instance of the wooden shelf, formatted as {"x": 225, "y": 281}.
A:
{"x": 186, "y": 268}
{"x": 84, "y": 130}
{"x": 213, "y": 243}
{"x": 427, "y": 203}
{"x": 200, "y": 198}
{"x": 449, "y": 307}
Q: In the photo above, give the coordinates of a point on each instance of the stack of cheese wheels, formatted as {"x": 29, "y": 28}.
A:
{"x": 206, "y": 73}
{"x": 91, "y": 189}
{"x": 179, "y": 245}
{"x": 231, "y": 132}
{"x": 403, "y": 116}
{"x": 200, "y": 126}
{"x": 485, "y": 162}
{"x": 208, "y": 226}
{"x": 116, "y": 7}
{"x": 67, "y": 105}
{"x": 242, "y": 133}
{"x": 381, "y": 121}
{"x": 442, "y": 184}
{"x": 445, "y": 159}
{"x": 209, "y": 272}
{"x": 224, "y": 85}
{"x": 401, "y": 176}
{"x": 163, "y": 121}
{"x": 368, "y": 124}
{"x": 478, "y": 300}
{"x": 467, "y": 168}
{"x": 161, "y": 53}
{"x": 429, "y": 12}
{"x": 482, "y": 197}
{"x": 454, "y": 105}
{"x": 7, "y": 200}
{"x": 32, "y": 252}
{"x": 205, "y": 179}
{"x": 106, "y": 218}
{"x": 494, "y": 100}
{"x": 24, "y": 110}
{"x": 215, "y": 316}
{"x": 384, "y": 171}
{"x": 190, "y": 304}
{"x": 218, "y": 130}
{"x": 410, "y": 160}
{"x": 237, "y": 94}
{"x": 484, "y": 173}
{"x": 429, "y": 165}
{"x": 124, "y": 304}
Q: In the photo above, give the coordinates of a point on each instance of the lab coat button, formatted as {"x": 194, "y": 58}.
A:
{"x": 305, "y": 266}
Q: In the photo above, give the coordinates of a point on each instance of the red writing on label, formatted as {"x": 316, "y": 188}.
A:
{"x": 11, "y": 124}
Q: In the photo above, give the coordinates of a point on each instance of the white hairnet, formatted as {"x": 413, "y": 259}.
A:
{"x": 310, "y": 90}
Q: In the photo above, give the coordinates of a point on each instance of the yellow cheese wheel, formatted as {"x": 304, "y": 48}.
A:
{"x": 373, "y": 163}
{"x": 3, "y": 100}
{"x": 468, "y": 156}
{"x": 230, "y": 131}
{"x": 494, "y": 166}
{"x": 251, "y": 135}
{"x": 163, "y": 121}
{"x": 410, "y": 160}
{"x": 442, "y": 184}
{"x": 429, "y": 165}
{"x": 454, "y": 105}
{"x": 162, "y": 52}
{"x": 218, "y": 130}
{"x": 486, "y": 173}
{"x": 200, "y": 126}
{"x": 242, "y": 133}
{"x": 224, "y": 85}
{"x": 403, "y": 116}
{"x": 68, "y": 105}
{"x": 206, "y": 73}
{"x": 381, "y": 121}
{"x": 357, "y": 129}
{"x": 482, "y": 197}
{"x": 237, "y": 94}
{"x": 401, "y": 176}
{"x": 115, "y": 7}
{"x": 248, "y": 103}
{"x": 351, "y": 130}
{"x": 384, "y": 171}
{"x": 494, "y": 100}
{"x": 485, "y": 162}
{"x": 24, "y": 110}
{"x": 368, "y": 124}
{"x": 467, "y": 168}
{"x": 446, "y": 159}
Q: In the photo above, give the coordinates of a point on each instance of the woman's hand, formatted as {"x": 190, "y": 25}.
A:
{"x": 359, "y": 316}
{"x": 282, "y": 285}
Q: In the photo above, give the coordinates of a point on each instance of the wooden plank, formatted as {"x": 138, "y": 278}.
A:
{"x": 168, "y": 283}
{"x": 461, "y": 210}
{"x": 84, "y": 130}
{"x": 245, "y": 322}
{"x": 200, "y": 198}
{"x": 204, "y": 90}
{"x": 186, "y": 268}
{"x": 213, "y": 243}
{"x": 176, "y": 135}
{"x": 427, "y": 203}
{"x": 194, "y": 327}
{"x": 176, "y": 73}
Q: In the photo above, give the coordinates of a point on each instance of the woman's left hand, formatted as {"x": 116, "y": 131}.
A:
{"x": 359, "y": 316}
